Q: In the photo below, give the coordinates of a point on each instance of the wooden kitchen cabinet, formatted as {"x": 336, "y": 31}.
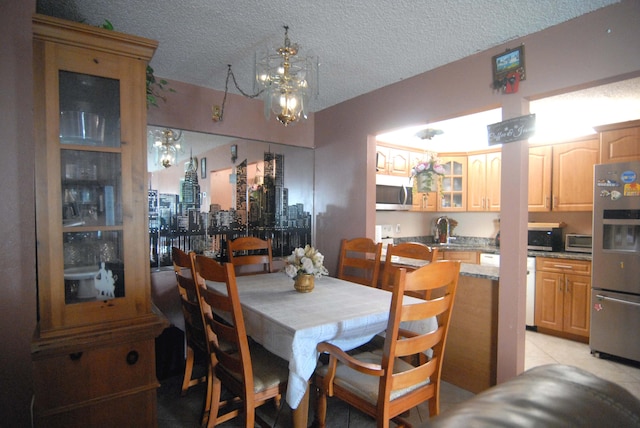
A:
{"x": 392, "y": 161}
{"x": 422, "y": 201}
{"x": 382, "y": 159}
{"x": 619, "y": 142}
{"x": 563, "y": 296}
{"x": 561, "y": 176}
{"x": 93, "y": 349}
{"x": 540, "y": 159}
{"x": 453, "y": 187}
{"x": 572, "y": 176}
{"x": 483, "y": 181}
{"x": 470, "y": 360}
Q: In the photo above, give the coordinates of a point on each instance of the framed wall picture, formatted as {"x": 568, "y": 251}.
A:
{"x": 511, "y": 61}
{"x": 203, "y": 168}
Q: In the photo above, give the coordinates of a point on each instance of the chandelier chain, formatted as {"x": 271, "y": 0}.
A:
{"x": 235, "y": 83}
{"x": 284, "y": 82}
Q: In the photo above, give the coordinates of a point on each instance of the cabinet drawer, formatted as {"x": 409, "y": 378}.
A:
{"x": 579, "y": 267}
{"x": 89, "y": 374}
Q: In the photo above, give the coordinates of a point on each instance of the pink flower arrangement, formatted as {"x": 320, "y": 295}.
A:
{"x": 430, "y": 167}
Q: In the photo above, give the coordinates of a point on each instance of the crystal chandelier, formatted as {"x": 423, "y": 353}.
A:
{"x": 285, "y": 80}
{"x": 166, "y": 146}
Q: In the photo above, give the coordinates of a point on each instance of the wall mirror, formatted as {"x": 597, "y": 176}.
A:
{"x": 219, "y": 188}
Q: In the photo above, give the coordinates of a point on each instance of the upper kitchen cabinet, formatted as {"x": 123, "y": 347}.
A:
{"x": 392, "y": 161}
{"x": 483, "y": 182}
{"x": 422, "y": 201}
{"x": 540, "y": 178}
{"x": 453, "y": 187}
{"x": 619, "y": 142}
{"x": 572, "y": 177}
{"x": 561, "y": 176}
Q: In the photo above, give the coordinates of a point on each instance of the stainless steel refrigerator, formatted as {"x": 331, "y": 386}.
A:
{"x": 615, "y": 295}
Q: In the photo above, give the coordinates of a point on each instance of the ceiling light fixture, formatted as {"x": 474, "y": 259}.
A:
{"x": 285, "y": 79}
{"x": 428, "y": 133}
{"x": 166, "y": 145}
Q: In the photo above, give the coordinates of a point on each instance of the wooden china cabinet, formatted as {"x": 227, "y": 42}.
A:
{"x": 93, "y": 350}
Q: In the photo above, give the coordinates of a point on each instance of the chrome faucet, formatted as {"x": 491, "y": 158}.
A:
{"x": 448, "y": 230}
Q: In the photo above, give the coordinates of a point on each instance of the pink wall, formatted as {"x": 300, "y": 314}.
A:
{"x": 575, "y": 54}
{"x": 189, "y": 107}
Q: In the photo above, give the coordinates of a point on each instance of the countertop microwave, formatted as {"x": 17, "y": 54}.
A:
{"x": 393, "y": 193}
{"x": 577, "y": 243}
{"x": 544, "y": 236}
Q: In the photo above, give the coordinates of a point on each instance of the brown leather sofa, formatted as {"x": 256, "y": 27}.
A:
{"x": 547, "y": 396}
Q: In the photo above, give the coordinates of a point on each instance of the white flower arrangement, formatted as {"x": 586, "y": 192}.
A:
{"x": 305, "y": 260}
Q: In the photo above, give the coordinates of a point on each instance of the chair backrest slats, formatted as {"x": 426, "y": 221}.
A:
{"x": 189, "y": 300}
{"x": 224, "y": 322}
{"x": 359, "y": 261}
{"x": 438, "y": 276}
{"x": 410, "y": 252}
{"x": 248, "y": 251}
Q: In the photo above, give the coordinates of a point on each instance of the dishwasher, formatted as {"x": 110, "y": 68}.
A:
{"x": 490, "y": 259}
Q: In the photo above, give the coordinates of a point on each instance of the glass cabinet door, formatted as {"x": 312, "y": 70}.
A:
{"x": 91, "y": 187}
{"x": 90, "y": 130}
{"x": 453, "y": 185}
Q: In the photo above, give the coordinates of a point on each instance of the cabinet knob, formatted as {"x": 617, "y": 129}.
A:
{"x": 132, "y": 357}
{"x": 75, "y": 356}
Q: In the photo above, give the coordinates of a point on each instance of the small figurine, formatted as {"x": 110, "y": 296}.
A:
{"x": 105, "y": 282}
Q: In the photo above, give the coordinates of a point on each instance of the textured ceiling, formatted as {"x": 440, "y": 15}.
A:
{"x": 362, "y": 45}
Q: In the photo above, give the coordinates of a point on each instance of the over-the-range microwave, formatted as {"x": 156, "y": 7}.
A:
{"x": 393, "y": 193}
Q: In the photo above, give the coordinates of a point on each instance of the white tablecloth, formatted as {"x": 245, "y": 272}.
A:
{"x": 290, "y": 324}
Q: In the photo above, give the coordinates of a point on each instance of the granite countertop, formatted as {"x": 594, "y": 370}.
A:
{"x": 488, "y": 272}
{"x": 496, "y": 250}
{"x": 466, "y": 269}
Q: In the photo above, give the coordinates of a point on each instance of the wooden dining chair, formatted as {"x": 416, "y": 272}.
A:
{"x": 250, "y": 255}
{"x": 383, "y": 385}
{"x": 412, "y": 253}
{"x": 360, "y": 261}
{"x": 193, "y": 322}
{"x": 251, "y": 373}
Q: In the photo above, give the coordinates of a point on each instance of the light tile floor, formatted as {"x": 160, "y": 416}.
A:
{"x": 176, "y": 411}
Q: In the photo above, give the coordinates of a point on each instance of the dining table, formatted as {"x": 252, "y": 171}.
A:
{"x": 290, "y": 324}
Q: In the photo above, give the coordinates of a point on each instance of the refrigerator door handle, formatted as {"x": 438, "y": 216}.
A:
{"x": 613, "y": 299}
